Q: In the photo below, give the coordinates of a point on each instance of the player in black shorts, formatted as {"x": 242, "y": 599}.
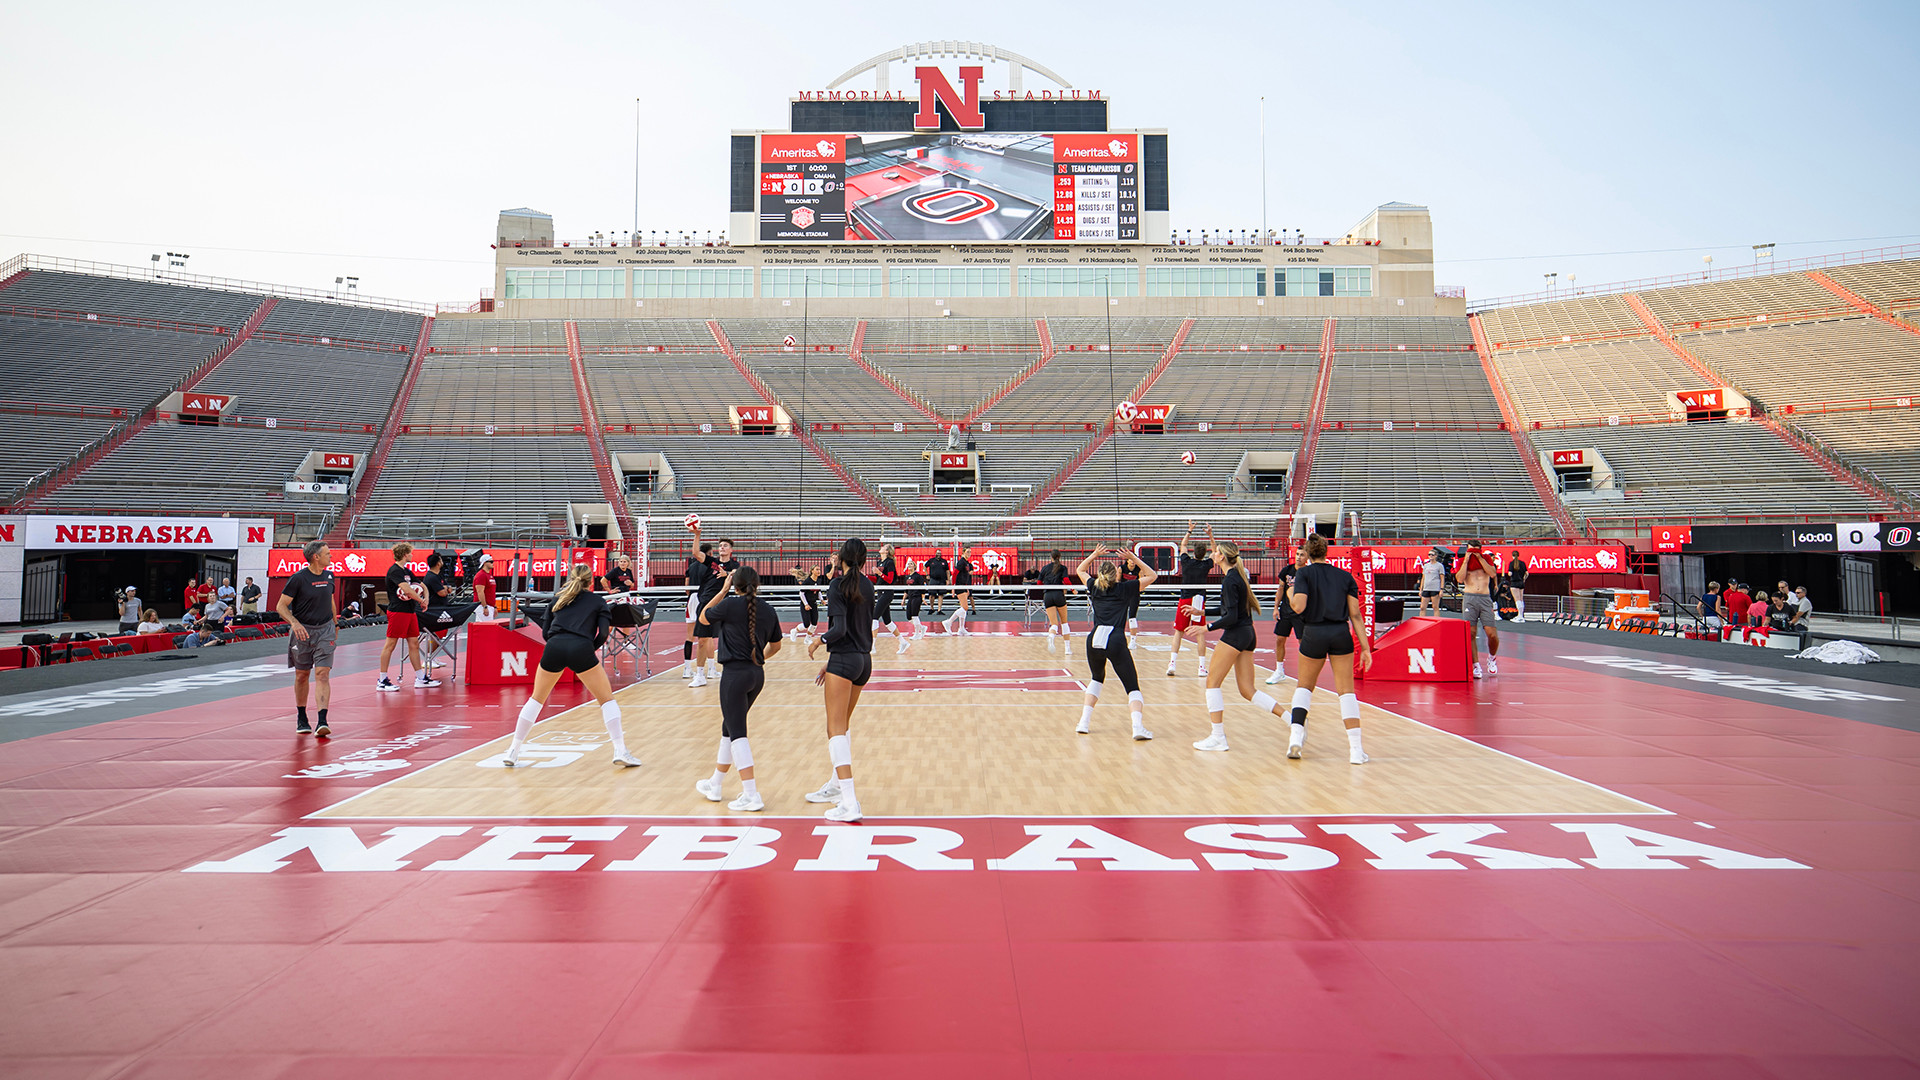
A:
{"x": 749, "y": 633}
{"x": 1190, "y": 617}
{"x": 576, "y": 628}
{"x": 1112, "y": 596}
{"x": 886, "y": 572}
{"x": 1054, "y": 600}
{"x": 849, "y": 642}
{"x": 809, "y": 600}
{"x": 699, "y": 569}
{"x": 916, "y": 596}
{"x": 937, "y": 569}
{"x": 703, "y": 640}
{"x": 1284, "y": 620}
{"x": 1234, "y": 652}
{"x": 962, "y": 594}
{"x": 1327, "y": 600}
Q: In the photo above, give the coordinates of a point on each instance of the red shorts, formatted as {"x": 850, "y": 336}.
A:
{"x": 1184, "y": 615}
{"x": 403, "y": 625}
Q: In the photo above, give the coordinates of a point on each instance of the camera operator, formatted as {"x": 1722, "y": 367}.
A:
{"x": 1477, "y": 574}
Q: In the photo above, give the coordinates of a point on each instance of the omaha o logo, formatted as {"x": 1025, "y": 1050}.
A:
{"x": 950, "y": 206}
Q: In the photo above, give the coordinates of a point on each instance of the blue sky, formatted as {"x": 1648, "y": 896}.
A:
{"x": 1607, "y": 142}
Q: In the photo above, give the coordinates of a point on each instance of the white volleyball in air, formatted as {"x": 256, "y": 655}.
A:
{"x": 1127, "y": 411}
{"x": 1187, "y": 458}
{"x": 692, "y": 521}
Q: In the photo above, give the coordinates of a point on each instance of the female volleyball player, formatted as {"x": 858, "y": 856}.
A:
{"x": 576, "y": 628}
{"x": 749, "y": 633}
{"x": 962, "y": 595}
{"x": 1112, "y": 598}
{"x": 916, "y": 596}
{"x": 809, "y": 600}
{"x": 699, "y": 572}
{"x": 1190, "y": 618}
{"x": 1327, "y": 601}
{"x": 1234, "y": 652}
{"x": 1284, "y": 620}
{"x": 1054, "y": 599}
{"x": 887, "y": 571}
{"x": 849, "y": 642}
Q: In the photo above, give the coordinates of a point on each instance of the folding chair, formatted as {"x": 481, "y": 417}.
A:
{"x": 437, "y": 637}
{"x": 631, "y": 629}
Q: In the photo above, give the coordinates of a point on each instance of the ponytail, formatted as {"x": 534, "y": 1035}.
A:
{"x": 851, "y": 556}
{"x": 578, "y": 579}
{"x": 746, "y": 582}
{"x": 1108, "y": 577}
{"x": 1231, "y": 551}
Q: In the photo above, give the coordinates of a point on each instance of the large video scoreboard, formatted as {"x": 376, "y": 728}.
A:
{"x": 948, "y": 187}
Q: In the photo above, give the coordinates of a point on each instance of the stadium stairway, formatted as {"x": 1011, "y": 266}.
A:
{"x": 114, "y": 439}
{"x": 1562, "y": 519}
{"x": 1092, "y": 446}
{"x": 390, "y": 430}
{"x": 1008, "y": 387}
{"x": 1665, "y": 337}
{"x": 13, "y": 277}
{"x": 1860, "y": 303}
{"x": 834, "y": 464}
{"x": 853, "y": 354}
{"x": 1835, "y": 468}
{"x": 1303, "y": 461}
{"x": 590, "y": 421}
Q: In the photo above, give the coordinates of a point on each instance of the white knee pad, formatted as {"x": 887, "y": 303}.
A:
{"x": 840, "y": 750}
{"x": 1349, "y": 706}
{"x": 1264, "y": 701}
{"x": 742, "y": 754}
{"x": 610, "y": 712}
{"x": 1302, "y": 698}
{"x": 1135, "y": 699}
{"x": 724, "y": 756}
{"x": 1093, "y": 690}
{"x": 1216, "y": 700}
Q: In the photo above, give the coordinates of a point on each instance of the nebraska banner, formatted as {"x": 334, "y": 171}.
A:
{"x": 56, "y": 533}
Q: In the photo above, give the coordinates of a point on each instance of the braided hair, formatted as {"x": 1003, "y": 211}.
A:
{"x": 746, "y": 582}
{"x": 1231, "y": 551}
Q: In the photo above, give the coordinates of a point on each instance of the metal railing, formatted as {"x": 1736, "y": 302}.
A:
{"x": 57, "y": 265}
{"x": 1728, "y": 273}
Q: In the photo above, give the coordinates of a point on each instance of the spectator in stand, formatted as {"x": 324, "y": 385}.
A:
{"x": 353, "y": 610}
{"x": 1802, "y": 607}
{"x": 129, "y": 611}
{"x": 483, "y": 587}
{"x": 1433, "y": 578}
{"x": 1734, "y": 603}
{"x": 1710, "y": 608}
{"x": 217, "y": 611}
{"x": 189, "y": 599}
{"x": 149, "y": 622}
{"x": 1757, "y": 611}
{"x": 249, "y": 598}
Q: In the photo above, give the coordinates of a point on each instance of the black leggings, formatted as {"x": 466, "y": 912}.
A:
{"x": 809, "y": 616}
{"x": 1119, "y": 657}
{"x": 883, "y": 607}
{"x": 740, "y": 684}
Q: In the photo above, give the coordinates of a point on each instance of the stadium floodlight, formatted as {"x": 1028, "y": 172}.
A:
{"x": 1762, "y": 251}
{"x": 1708, "y": 259}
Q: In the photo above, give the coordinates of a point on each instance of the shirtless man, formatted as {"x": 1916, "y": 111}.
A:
{"x": 1476, "y": 574}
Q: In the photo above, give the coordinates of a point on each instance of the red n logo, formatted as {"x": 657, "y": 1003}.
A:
{"x": 965, "y": 109}
{"x": 256, "y": 534}
{"x": 6, "y": 533}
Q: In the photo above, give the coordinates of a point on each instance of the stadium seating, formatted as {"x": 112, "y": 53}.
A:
{"x": 1075, "y": 386}
{"x": 936, "y": 334}
{"x": 1401, "y": 330}
{"x": 344, "y": 323}
{"x": 1702, "y": 471}
{"x": 1592, "y": 381}
{"x": 769, "y": 335}
{"x": 37, "y": 443}
{"x": 1893, "y": 287}
{"x": 952, "y": 383}
{"x": 131, "y": 299}
{"x": 1249, "y": 387}
{"x": 310, "y": 382}
{"x": 1883, "y": 443}
{"x": 1829, "y": 360}
{"x": 508, "y": 391}
{"x": 1410, "y": 386}
{"x": 1126, "y": 332}
{"x": 124, "y": 367}
{"x": 1428, "y": 484}
{"x": 1142, "y": 474}
{"x": 829, "y": 388}
{"x": 666, "y": 388}
{"x": 1228, "y": 332}
{"x": 756, "y": 475}
{"x": 1777, "y": 294}
{"x": 1571, "y": 320}
{"x": 482, "y": 334}
{"x": 212, "y": 470}
{"x": 449, "y": 487}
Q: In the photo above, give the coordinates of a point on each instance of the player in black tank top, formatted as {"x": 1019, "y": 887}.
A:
{"x": 1234, "y": 652}
{"x": 1054, "y": 598}
{"x": 1284, "y": 622}
{"x": 1190, "y": 617}
{"x": 962, "y": 595}
{"x": 748, "y": 630}
{"x": 1113, "y": 598}
{"x": 849, "y": 642}
{"x": 1327, "y": 601}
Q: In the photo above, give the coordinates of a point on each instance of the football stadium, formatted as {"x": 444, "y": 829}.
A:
{"x": 770, "y": 623}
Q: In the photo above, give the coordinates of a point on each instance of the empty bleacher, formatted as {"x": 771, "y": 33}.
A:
{"x": 917, "y": 335}
{"x": 769, "y": 335}
{"x": 1230, "y": 331}
{"x": 1572, "y": 320}
{"x": 309, "y": 382}
{"x": 1593, "y": 380}
{"x": 830, "y": 388}
{"x": 36, "y": 443}
{"x": 952, "y": 383}
{"x": 1885, "y": 443}
{"x": 212, "y": 470}
{"x": 1893, "y": 287}
{"x": 441, "y": 486}
{"x": 1402, "y": 330}
{"x": 1410, "y": 386}
{"x": 1142, "y": 474}
{"x": 666, "y": 388}
{"x": 1429, "y": 484}
{"x": 507, "y": 391}
{"x": 1776, "y": 294}
{"x": 1249, "y": 387}
{"x": 1074, "y": 386}
{"x": 96, "y": 363}
{"x": 482, "y": 334}
{"x": 131, "y": 299}
{"x": 343, "y": 323}
{"x": 1828, "y": 360}
{"x": 731, "y": 475}
{"x": 1125, "y": 332}
{"x": 1693, "y": 471}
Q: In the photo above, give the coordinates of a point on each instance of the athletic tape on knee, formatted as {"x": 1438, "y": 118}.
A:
{"x": 1093, "y": 689}
{"x": 742, "y": 754}
{"x": 840, "y": 751}
{"x": 1302, "y": 698}
{"x": 1216, "y": 700}
{"x": 1264, "y": 701}
{"x": 1349, "y": 706}
{"x": 724, "y": 756}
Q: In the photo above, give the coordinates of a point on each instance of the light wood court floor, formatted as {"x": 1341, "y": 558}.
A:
{"x": 984, "y": 725}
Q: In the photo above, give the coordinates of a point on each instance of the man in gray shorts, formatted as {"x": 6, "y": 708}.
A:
{"x": 1476, "y": 574}
{"x": 310, "y": 603}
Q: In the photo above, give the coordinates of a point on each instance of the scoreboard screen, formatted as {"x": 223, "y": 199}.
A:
{"x": 950, "y": 188}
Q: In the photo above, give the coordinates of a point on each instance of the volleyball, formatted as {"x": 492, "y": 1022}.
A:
{"x": 1127, "y": 411}
{"x": 692, "y": 521}
{"x": 1187, "y": 458}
